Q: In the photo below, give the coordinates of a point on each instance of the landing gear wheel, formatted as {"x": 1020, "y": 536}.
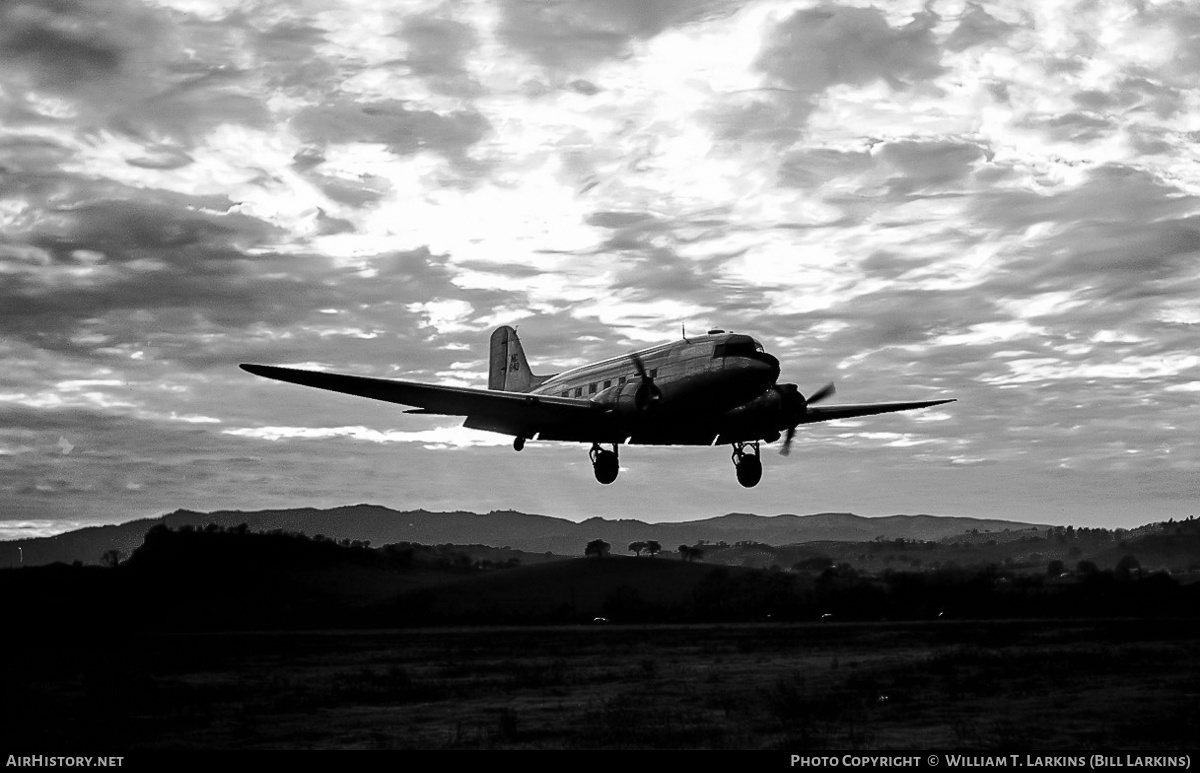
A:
{"x": 749, "y": 471}
{"x": 605, "y": 464}
{"x": 748, "y": 466}
{"x": 518, "y": 443}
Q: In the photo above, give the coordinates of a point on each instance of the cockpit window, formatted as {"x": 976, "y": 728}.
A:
{"x": 737, "y": 346}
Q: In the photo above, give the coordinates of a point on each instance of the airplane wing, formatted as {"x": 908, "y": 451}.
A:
{"x": 516, "y": 413}
{"x": 817, "y": 413}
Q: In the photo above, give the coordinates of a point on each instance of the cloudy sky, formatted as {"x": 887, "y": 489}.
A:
{"x": 995, "y": 202}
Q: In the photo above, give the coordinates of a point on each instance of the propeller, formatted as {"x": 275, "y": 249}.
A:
{"x": 794, "y": 406}
{"x": 647, "y": 393}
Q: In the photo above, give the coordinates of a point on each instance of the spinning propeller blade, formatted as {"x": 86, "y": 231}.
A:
{"x": 647, "y": 393}
{"x": 798, "y": 407}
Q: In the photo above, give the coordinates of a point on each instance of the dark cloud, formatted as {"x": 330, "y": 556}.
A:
{"x": 817, "y": 48}
{"x": 1121, "y": 259}
{"x": 1184, "y": 21}
{"x": 197, "y": 101}
{"x": 1110, "y": 193}
{"x": 812, "y": 168}
{"x": 161, "y": 157}
{"x": 660, "y": 273}
{"x": 438, "y": 51}
{"x": 393, "y": 124}
{"x": 896, "y": 317}
{"x": 883, "y": 264}
{"x": 977, "y": 27}
{"x": 587, "y": 88}
{"x": 1150, "y": 142}
{"x": 125, "y": 67}
{"x": 576, "y": 34}
{"x": 820, "y": 47}
{"x": 777, "y": 121}
{"x": 1075, "y": 127}
{"x": 926, "y": 165}
{"x": 103, "y": 266}
{"x": 1152, "y": 95}
{"x": 286, "y": 56}
{"x": 356, "y": 192}
{"x": 66, "y": 45}
{"x": 619, "y": 219}
{"x": 24, "y": 160}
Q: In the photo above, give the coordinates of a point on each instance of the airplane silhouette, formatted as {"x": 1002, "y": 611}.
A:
{"x": 714, "y": 389}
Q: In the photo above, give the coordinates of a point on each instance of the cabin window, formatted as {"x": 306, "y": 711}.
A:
{"x": 621, "y": 381}
{"x": 654, "y": 373}
{"x": 579, "y": 391}
{"x": 566, "y": 393}
{"x": 607, "y": 383}
{"x": 592, "y": 388}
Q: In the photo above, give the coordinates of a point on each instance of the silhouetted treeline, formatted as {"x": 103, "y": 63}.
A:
{"x": 218, "y": 550}
{"x": 222, "y": 578}
{"x": 842, "y": 594}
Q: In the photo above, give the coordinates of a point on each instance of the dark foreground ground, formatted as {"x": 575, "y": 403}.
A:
{"x": 932, "y": 685}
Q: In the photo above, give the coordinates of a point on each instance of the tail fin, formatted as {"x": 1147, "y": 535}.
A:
{"x": 508, "y": 369}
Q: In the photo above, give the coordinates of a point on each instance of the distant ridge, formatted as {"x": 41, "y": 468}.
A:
{"x": 506, "y": 528}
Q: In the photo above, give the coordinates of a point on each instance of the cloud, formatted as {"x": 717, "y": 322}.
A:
{"x": 121, "y": 66}
{"x": 391, "y": 123}
{"x": 820, "y": 47}
{"x": 976, "y": 27}
{"x": 574, "y": 35}
{"x": 929, "y": 165}
{"x": 438, "y": 52}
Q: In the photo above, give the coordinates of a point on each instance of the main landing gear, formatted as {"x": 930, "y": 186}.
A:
{"x": 604, "y": 463}
{"x": 747, "y": 465}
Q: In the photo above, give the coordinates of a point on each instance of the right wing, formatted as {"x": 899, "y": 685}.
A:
{"x": 817, "y": 413}
{"x": 516, "y": 413}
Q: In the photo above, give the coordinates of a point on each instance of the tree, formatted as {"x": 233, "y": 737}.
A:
{"x": 111, "y": 557}
{"x": 688, "y": 553}
{"x": 637, "y": 547}
{"x": 1055, "y": 568}
{"x": 653, "y": 548}
{"x": 1127, "y": 566}
{"x": 598, "y": 548}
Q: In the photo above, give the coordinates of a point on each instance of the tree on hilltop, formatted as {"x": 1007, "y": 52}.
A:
{"x": 598, "y": 548}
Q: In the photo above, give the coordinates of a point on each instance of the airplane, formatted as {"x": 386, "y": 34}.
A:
{"x": 714, "y": 389}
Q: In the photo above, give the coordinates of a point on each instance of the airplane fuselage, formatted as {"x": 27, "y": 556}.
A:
{"x": 698, "y": 381}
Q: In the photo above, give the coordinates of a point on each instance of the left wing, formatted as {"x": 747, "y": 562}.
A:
{"x": 817, "y": 413}
{"x": 517, "y": 413}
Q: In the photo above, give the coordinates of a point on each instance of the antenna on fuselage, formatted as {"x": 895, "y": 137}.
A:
{"x": 683, "y": 331}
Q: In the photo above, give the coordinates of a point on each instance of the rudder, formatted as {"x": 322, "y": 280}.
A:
{"x": 508, "y": 369}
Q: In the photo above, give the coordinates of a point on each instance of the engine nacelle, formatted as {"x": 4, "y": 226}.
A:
{"x": 775, "y": 409}
{"x": 633, "y": 398}
{"x": 764, "y": 411}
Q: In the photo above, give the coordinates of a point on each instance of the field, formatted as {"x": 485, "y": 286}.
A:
{"x": 930, "y": 685}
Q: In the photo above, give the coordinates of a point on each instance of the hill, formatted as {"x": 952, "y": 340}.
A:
{"x": 503, "y": 528}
